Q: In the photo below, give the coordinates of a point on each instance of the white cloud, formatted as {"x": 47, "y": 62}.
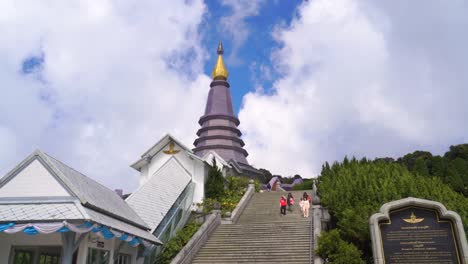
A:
{"x": 361, "y": 78}
{"x": 235, "y": 24}
{"x": 116, "y": 76}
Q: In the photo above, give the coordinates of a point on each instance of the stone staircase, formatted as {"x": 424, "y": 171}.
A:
{"x": 261, "y": 235}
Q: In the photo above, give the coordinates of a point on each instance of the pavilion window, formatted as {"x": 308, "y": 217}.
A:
{"x": 123, "y": 259}
{"x": 49, "y": 258}
{"x": 98, "y": 256}
{"x": 23, "y": 257}
{"x": 35, "y": 255}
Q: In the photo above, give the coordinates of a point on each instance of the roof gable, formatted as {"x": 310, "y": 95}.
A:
{"x": 160, "y": 146}
{"x": 33, "y": 178}
{"x": 154, "y": 198}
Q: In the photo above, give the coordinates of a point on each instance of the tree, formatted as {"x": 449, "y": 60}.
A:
{"x": 457, "y": 151}
{"x": 438, "y": 166}
{"x": 409, "y": 160}
{"x": 332, "y": 247}
{"x": 214, "y": 186}
{"x": 420, "y": 167}
{"x": 386, "y": 159}
{"x": 457, "y": 175}
{"x": 267, "y": 174}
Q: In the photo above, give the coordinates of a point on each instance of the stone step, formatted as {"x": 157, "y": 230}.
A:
{"x": 287, "y": 219}
{"x": 252, "y": 259}
{"x": 253, "y": 246}
{"x": 276, "y": 217}
{"x": 262, "y": 235}
{"x": 269, "y": 233}
{"x": 217, "y": 240}
{"x": 269, "y": 229}
{"x": 271, "y": 251}
{"x": 257, "y": 262}
{"x": 288, "y": 224}
{"x": 274, "y": 233}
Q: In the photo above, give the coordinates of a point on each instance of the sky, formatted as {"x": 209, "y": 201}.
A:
{"x": 96, "y": 83}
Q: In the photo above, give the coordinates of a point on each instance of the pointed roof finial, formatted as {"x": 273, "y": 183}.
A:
{"x": 220, "y": 72}
{"x": 220, "y": 48}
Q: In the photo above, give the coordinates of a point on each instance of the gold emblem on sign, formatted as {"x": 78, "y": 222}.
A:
{"x": 171, "y": 150}
{"x": 413, "y": 219}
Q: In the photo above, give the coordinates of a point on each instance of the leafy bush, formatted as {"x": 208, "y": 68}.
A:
{"x": 214, "y": 186}
{"x": 332, "y": 247}
{"x": 257, "y": 185}
{"x": 237, "y": 184}
{"x": 306, "y": 185}
{"x": 175, "y": 244}
{"x": 236, "y": 187}
{"x": 208, "y": 205}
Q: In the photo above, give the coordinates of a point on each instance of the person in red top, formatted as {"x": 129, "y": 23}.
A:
{"x": 283, "y": 204}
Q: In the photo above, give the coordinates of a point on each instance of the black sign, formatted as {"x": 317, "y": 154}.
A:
{"x": 100, "y": 244}
{"x": 418, "y": 235}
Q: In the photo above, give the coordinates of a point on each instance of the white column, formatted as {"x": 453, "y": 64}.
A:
{"x": 68, "y": 247}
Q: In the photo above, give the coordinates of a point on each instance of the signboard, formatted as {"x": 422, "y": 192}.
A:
{"x": 418, "y": 235}
{"x": 100, "y": 244}
{"x": 414, "y": 230}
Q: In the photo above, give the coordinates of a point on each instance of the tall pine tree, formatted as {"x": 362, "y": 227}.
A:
{"x": 214, "y": 186}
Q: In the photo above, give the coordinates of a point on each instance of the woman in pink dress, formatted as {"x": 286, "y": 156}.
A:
{"x": 305, "y": 208}
{"x": 301, "y": 204}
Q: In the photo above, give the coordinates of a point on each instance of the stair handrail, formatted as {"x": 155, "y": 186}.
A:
{"x": 242, "y": 203}
{"x": 311, "y": 235}
{"x": 198, "y": 240}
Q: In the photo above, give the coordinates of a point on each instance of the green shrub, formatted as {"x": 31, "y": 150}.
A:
{"x": 306, "y": 185}
{"x": 209, "y": 204}
{"x": 237, "y": 184}
{"x": 214, "y": 186}
{"x": 175, "y": 244}
{"x": 332, "y": 247}
{"x": 228, "y": 200}
{"x": 257, "y": 185}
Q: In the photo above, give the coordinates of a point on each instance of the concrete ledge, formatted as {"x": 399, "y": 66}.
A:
{"x": 317, "y": 215}
{"x": 190, "y": 250}
{"x": 240, "y": 206}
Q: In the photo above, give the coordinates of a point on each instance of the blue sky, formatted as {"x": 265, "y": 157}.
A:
{"x": 96, "y": 83}
{"x": 255, "y": 50}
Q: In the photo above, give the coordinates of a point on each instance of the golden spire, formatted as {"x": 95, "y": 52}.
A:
{"x": 219, "y": 71}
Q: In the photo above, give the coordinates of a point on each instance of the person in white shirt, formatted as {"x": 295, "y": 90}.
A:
{"x": 301, "y": 204}
{"x": 306, "y": 208}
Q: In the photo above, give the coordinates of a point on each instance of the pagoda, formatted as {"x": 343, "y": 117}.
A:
{"x": 219, "y": 132}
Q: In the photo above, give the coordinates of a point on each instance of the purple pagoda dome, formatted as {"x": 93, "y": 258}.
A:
{"x": 219, "y": 130}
